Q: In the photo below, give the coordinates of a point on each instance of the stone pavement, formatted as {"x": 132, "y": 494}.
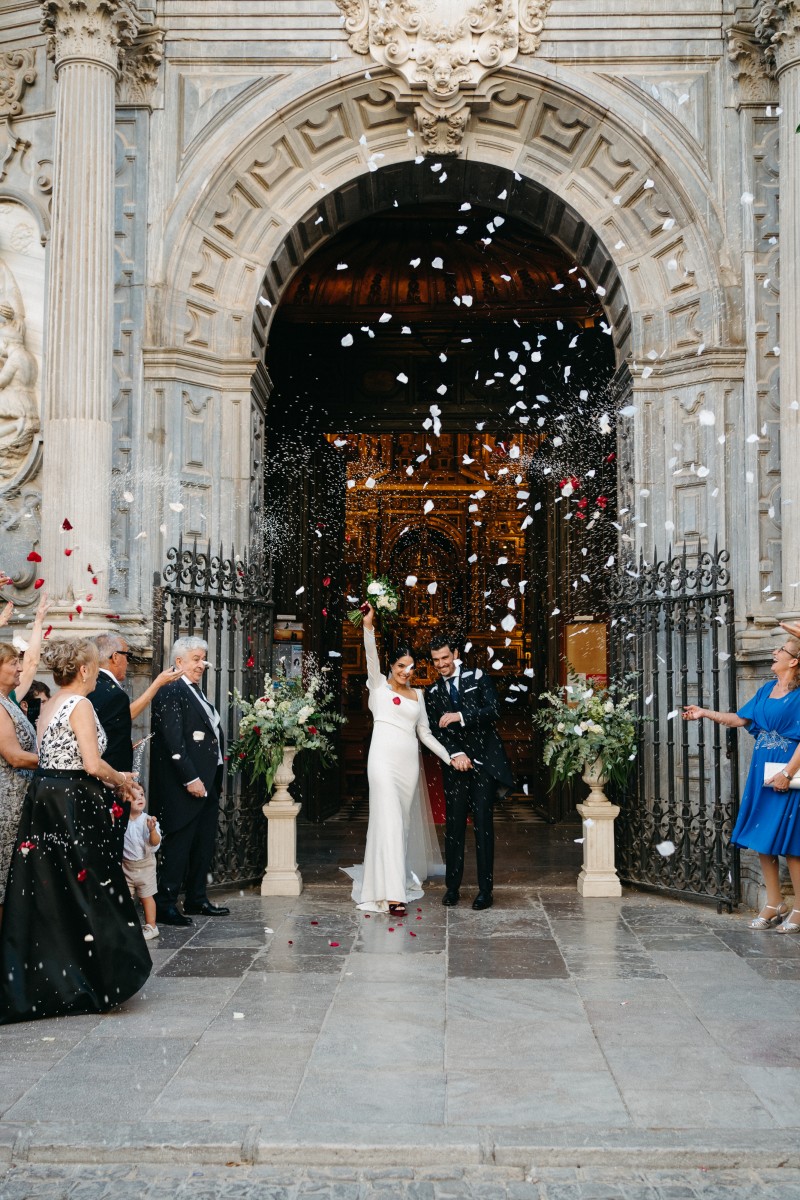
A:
{"x": 540, "y": 1045}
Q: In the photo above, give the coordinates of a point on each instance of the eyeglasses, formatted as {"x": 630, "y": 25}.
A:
{"x": 783, "y": 650}
{"x": 125, "y": 653}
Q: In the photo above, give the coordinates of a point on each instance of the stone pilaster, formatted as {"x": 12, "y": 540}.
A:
{"x": 778, "y": 30}
{"x": 85, "y": 40}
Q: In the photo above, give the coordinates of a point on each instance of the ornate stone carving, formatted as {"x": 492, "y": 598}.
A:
{"x": 89, "y": 29}
{"x": 17, "y": 70}
{"x": 752, "y": 70}
{"x": 442, "y": 53}
{"x": 19, "y": 409}
{"x": 777, "y": 28}
{"x": 140, "y": 63}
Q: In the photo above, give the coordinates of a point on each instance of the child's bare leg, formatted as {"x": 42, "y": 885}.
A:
{"x": 149, "y": 907}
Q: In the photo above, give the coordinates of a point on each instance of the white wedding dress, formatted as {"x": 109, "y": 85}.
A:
{"x": 402, "y": 848}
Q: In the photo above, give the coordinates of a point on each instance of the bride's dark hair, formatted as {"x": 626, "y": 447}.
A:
{"x": 400, "y": 650}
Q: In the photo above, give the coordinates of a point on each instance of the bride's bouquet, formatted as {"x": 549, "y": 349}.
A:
{"x": 290, "y": 713}
{"x": 384, "y": 598}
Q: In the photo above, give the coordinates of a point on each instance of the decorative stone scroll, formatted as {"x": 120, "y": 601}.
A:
{"x": 443, "y": 52}
{"x": 752, "y": 70}
{"x": 17, "y": 70}
{"x": 140, "y": 63}
{"x": 777, "y": 28}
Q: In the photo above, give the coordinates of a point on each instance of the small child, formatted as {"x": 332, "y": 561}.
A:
{"x": 142, "y": 837}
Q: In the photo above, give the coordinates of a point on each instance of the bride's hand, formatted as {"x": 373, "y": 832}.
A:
{"x": 369, "y": 616}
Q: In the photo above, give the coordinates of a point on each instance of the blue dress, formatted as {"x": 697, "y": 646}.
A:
{"x": 769, "y": 821}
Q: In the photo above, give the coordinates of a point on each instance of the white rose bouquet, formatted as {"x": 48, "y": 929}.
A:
{"x": 384, "y": 598}
{"x": 582, "y": 724}
{"x": 290, "y": 713}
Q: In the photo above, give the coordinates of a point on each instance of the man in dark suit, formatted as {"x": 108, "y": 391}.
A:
{"x": 187, "y": 764}
{"x": 463, "y": 704}
{"x": 116, "y": 712}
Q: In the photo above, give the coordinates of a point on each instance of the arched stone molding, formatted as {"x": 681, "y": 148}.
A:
{"x": 645, "y": 199}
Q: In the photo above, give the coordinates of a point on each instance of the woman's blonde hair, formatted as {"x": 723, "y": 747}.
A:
{"x": 792, "y": 644}
{"x": 64, "y": 657}
{"x": 8, "y": 653}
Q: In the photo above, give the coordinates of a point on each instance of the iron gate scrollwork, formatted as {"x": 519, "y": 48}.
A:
{"x": 228, "y": 602}
{"x": 672, "y": 631}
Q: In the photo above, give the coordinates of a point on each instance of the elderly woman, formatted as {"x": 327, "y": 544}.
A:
{"x": 769, "y": 816}
{"x": 70, "y": 942}
{"x": 18, "y": 758}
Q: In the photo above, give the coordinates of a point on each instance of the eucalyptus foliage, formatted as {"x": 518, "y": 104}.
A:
{"x": 582, "y": 724}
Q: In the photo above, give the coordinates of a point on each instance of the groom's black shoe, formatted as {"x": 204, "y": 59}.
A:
{"x": 449, "y": 899}
{"x": 172, "y": 915}
{"x": 483, "y": 900}
{"x": 206, "y": 909}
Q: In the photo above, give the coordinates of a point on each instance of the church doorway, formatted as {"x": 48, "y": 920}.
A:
{"x": 442, "y": 412}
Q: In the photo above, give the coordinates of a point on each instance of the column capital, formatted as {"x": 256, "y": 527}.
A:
{"x": 89, "y": 30}
{"x": 777, "y": 28}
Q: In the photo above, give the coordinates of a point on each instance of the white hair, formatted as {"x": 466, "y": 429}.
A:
{"x": 184, "y": 645}
{"x": 108, "y": 644}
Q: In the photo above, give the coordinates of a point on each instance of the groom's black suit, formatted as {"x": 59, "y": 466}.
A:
{"x": 470, "y": 791}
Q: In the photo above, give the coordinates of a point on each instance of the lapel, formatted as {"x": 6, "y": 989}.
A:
{"x": 199, "y": 706}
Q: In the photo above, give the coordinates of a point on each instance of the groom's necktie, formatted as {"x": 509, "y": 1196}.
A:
{"x": 453, "y": 691}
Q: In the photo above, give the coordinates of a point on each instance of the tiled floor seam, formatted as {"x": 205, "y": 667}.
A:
{"x": 323, "y": 1023}
{"x": 582, "y": 1003}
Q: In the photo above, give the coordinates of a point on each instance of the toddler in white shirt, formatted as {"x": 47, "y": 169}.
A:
{"x": 142, "y": 838}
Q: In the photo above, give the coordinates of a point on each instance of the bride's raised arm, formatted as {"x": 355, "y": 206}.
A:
{"x": 424, "y": 732}
{"x": 374, "y": 677}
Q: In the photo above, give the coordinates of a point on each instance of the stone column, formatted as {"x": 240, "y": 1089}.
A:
{"x": 85, "y": 41}
{"x": 778, "y": 29}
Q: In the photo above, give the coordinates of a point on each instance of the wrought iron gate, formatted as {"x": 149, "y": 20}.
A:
{"x": 228, "y": 602}
{"x": 672, "y": 631}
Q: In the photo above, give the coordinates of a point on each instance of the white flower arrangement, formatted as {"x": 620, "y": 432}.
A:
{"x": 583, "y": 724}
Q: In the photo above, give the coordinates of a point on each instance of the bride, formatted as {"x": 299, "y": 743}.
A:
{"x": 401, "y": 841}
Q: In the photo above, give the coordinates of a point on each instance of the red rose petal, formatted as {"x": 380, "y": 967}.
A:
{"x": 39, "y": 583}
{"x": 65, "y": 524}
{"x": 89, "y": 597}
{"x": 419, "y": 918}
{"x": 391, "y": 929}
{"x": 94, "y": 580}
{"x": 48, "y": 631}
{"x": 34, "y": 557}
{"x": 251, "y": 662}
{"x": 326, "y": 581}
{"x": 366, "y": 916}
{"x": 315, "y": 922}
{"x": 68, "y": 552}
{"x": 82, "y": 874}
{"x": 411, "y": 933}
{"x": 290, "y": 943}
{"x": 334, "y": 944}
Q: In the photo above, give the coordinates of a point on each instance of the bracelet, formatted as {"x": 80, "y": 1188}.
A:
{"x": 784, "y": 772}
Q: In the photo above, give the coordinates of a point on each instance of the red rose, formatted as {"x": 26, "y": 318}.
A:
{"x": 312, "y": 729}
{"x": 257, "y": 730}
{"x": 242, "y": 755}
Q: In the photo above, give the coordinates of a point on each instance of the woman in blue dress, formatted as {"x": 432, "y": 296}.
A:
{"x": 769, "y": 815}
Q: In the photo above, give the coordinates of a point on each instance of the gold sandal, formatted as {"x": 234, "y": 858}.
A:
{"x": 780, "y": 911}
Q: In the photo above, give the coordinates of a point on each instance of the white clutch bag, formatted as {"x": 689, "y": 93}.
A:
{"x": 771, "y": 769}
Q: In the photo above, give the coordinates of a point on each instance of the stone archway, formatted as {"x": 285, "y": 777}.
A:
{"x": 638, "y": 213}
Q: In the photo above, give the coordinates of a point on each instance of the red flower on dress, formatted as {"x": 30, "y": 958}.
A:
{"x": 582, "y": 502}
{"x": 396, "y": 700}
{"x": 82, "y": 874}
{"x": 601, "y": 501}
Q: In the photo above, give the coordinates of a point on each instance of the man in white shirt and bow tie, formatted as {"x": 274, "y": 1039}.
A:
{"x": 187, "y": 765}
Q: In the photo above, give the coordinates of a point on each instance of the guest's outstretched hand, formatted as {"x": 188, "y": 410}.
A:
{"x": 7, "y": 612}
{"x": 693, "y": 712}
{"x": 369, "y": 615}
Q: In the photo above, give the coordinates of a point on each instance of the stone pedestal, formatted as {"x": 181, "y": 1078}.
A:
{"x": 85, "y": 40}
{"x": 282, "y": 877}
{"x": 598, "y": 875}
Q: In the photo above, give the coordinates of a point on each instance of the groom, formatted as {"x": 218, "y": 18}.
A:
{"x": 463, "y": 704}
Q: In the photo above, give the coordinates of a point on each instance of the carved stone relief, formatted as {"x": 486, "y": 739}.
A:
{"x": 139, "y": 67}
{"x": 442, "y": 53}
{"x": 89, "y": 29}
{"x": 17, "y": 70}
